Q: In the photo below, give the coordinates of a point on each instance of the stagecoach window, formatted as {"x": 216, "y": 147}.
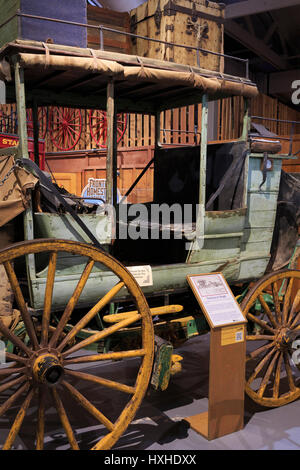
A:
{"x": 176, "y": 198}
{"x": 176, "y": 177}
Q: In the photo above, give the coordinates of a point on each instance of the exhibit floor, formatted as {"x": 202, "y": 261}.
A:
{"x": 159, "y": 424}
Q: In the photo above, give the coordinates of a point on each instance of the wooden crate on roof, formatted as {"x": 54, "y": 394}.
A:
{"x": 32, "y": 27}
{"x": 114, "y": 42}
{"x": 197, "y": 23}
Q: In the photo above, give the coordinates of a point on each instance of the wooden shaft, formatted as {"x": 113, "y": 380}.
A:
{"x": 102, "y": 334}
{"x": 166, "y": 309}
{"x": 91, "y": 314}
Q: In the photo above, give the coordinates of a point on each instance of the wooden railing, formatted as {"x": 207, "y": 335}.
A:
{"x": 178, "y": 126}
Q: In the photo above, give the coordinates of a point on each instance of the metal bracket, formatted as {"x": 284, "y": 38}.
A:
{"x": 170, "y": 27}
{"x": 171, "y": 9}
{"x": 158, "y": 15}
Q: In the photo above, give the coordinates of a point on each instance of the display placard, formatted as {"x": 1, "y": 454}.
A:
{"x": 216, "y": 299}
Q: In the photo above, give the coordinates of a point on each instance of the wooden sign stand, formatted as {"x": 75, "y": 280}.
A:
{"x": 225, "y": 413}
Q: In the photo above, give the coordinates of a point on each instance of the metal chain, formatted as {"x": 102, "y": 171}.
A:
{"x": 15, "y": 165}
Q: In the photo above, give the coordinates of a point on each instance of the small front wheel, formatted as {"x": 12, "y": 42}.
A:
{"x": 272, "y": 307}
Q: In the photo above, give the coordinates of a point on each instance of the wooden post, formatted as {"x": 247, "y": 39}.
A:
{"x": 227, "y": 322}
{"x": 35, "y": 123}
{"x": 246, "y": 120}
{"x": 203, "y": 152}
{"x": 21, "y": 111}
{"x": 111, "y": 159}
{"x": 157, "y": 129}
{"x": 225, "y": 413}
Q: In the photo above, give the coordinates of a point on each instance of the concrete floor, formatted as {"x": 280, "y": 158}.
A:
{"x": 159, "y": 424}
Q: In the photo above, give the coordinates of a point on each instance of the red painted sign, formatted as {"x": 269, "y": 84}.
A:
{"x": 12, "y": 140}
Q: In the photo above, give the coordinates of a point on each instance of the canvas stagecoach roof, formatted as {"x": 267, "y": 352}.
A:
{"x": 73, "y": 76}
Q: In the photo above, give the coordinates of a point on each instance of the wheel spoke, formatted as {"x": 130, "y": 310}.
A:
{"x": 294, "y": 324}
{"x": 16, "y": 358}
{"x": 102, "y": 334}
{"x": 48, "y": 298}
{"x": 70, "y": 128}
{"x": 258, "y": 351}
{"x": 7, "y": 404}
{"x": 72, "y": 303}
{"x": 14, "y": 339}
{"x": 260, "y": 365}
{"x": 91, "y": 314}
{"x": 267, "y": 310}
{"x": 87, "y": 405}
{"x": 294, "y": 310}
{"x": 289, "y": 372}
{"x": 101, "y": 381}
{"x": 262, "y": 323}
{"x": 105, "y": 357}
{"x": 276, "y": 303}
{"x": 21, "y": 303}
{"x": 277, "y": 377}
{"x": 260, "y": 338}
{"x": 12, "y": 383}
{"x": 287, "y": 299}
{"x": 40, "y": 431}
{"x": 14, "y": 430}
{"x": 266, "y": 378}
{"x": 64, "y": 420}
{"x": 8, "y": 371}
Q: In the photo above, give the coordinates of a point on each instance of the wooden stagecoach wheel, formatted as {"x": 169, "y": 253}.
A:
{"x": 41, "y": 369}
{"x": 272, "y": 307}
{"x": 98, "y": 126}
{"x": 43, "y": 122}
{"x": 65, "y": 125}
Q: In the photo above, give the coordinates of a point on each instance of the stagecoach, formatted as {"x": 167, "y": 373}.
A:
{"x": 85, "y": 297}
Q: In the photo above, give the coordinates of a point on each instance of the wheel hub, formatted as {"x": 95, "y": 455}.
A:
{"x": 47, "y": 369}
{"x": 282, "y": 338}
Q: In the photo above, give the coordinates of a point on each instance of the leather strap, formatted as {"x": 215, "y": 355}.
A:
{"x": 32, "y": 166}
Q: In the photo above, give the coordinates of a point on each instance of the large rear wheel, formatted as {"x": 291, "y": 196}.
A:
{"x": 44, "y": 368}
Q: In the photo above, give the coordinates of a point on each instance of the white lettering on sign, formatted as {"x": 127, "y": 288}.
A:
{"x": 296, "y": 94}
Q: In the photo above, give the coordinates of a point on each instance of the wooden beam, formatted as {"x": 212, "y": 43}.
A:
{"x": 76, "y": 100}
{"x": 48, "y": 78}
{"x": 254, "y": 7}
{"x": 82, "y": 81}
{"x": 254, "y": 44}
{"x": 250, "y": 25}
{"x": 271, "y": 30}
